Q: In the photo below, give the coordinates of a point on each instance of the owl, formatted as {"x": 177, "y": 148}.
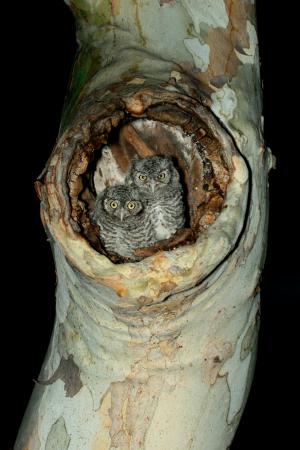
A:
{"x": 158, "y": 182}
{"x": 123, "y": 220}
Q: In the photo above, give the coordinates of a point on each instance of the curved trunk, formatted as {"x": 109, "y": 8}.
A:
{"x": 156, "y": 354}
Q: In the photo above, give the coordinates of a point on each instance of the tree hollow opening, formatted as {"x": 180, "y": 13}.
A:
{"x": 196, "y": 149}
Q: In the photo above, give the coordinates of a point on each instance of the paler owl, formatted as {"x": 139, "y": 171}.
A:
{"x": 158, "y": 182}
{"x": 123, "y": 220}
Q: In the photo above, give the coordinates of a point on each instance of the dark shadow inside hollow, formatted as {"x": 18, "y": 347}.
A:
{"x": 195, "y": 151}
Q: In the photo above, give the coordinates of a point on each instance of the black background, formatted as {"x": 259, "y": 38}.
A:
{"x": 38, "y": 65}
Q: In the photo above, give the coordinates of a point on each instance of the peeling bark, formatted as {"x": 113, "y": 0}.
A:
{"x": 69, "y": 373}
{"x": 157, "y": 354}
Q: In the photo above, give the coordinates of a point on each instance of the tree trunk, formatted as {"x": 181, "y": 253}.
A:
{"x": 157, "y": 354}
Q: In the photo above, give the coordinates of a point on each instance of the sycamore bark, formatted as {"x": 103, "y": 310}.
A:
{"x": 157, "y": 354}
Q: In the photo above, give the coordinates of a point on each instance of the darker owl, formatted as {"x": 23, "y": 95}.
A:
{"x": 158, "y": 183}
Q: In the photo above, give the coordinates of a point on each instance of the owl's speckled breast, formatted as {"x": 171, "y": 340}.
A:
{"x": 161, "y": 226}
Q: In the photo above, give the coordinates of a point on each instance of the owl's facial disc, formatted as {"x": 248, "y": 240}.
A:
{"x": 152, "y": 185}
{"x": 141, "y": 179}
{"x": 122, "y": 213}
{"x": 129, "y": 209}
{"x": 111, "y": 205}
{"x": 159, "y": 180}
{"x": 163, "y": 176}
{"x": 114, "y": 204}
{"x": 131, "y": 205}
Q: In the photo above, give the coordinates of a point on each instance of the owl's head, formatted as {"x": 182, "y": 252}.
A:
{"x": 153, "y": 174}
{"x": 122, "y": 202}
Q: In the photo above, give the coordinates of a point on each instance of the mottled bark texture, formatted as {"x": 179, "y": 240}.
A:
{"x": 157, "y": 354}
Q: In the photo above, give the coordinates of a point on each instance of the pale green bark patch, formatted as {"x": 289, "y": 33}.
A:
{"x": 211, "y": 12}
{"x": 224, "y": 103}
{"x": 58, "y": 438}
{"x": 199, "y": 52}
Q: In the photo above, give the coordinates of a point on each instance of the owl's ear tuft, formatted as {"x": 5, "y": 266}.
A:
{"x": 134, "y": 160}
{"x": 167, "y": 160}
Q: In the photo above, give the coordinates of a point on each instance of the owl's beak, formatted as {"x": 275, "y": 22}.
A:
{"x": 152, "y": 184}
{"x": 122, "y": 214}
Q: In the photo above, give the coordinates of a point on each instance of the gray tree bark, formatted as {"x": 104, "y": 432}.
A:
{"x": 157, "y": 354}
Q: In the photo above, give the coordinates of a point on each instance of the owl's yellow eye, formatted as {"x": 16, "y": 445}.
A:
{"x": 131, "y": 205}
{"x": 113, "y": 204}
{"x": 162, "y": 175}
{"x": 143, "y": 177}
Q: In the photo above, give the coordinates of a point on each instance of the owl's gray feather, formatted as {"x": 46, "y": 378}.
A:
{"x": 158, "y": 182}
{"x": 123, "y": 227}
